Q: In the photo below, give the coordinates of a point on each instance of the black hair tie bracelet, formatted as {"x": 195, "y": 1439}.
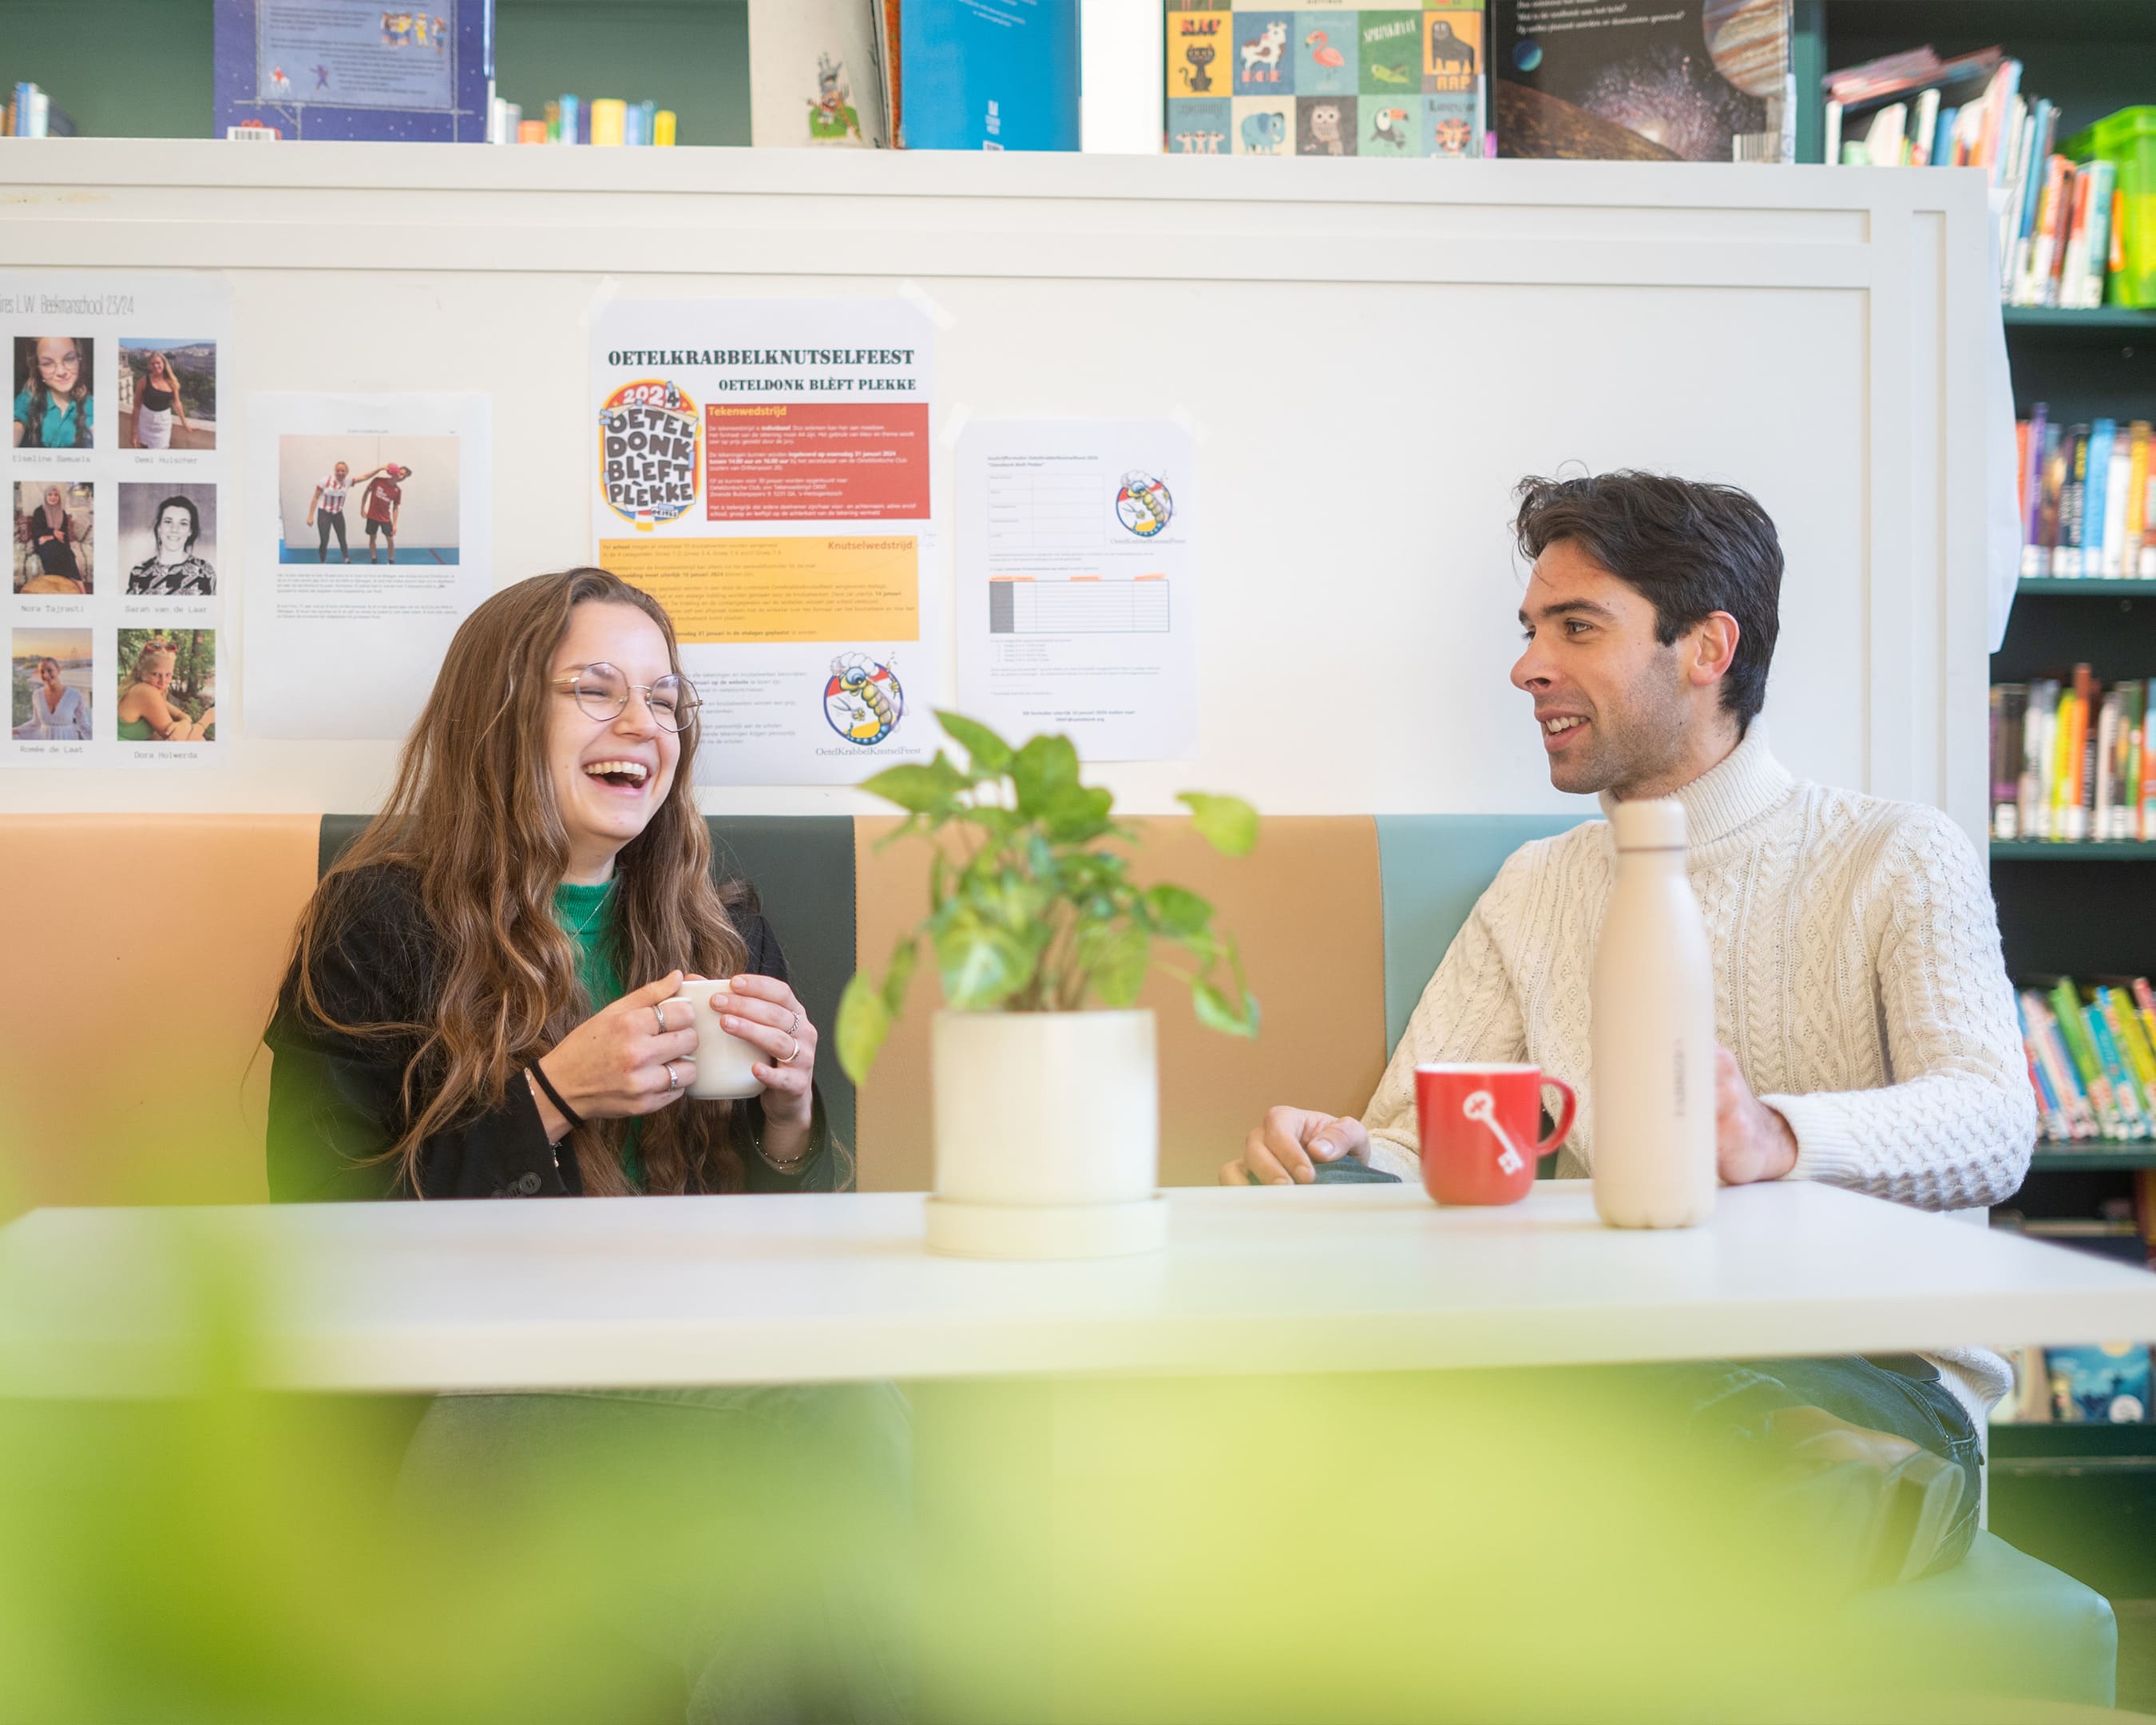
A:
{"x": 539, "y": 1077}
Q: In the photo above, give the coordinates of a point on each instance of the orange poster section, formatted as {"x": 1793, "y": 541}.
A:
{"x": 763, "y": 590}
{"x": 829, "y": 461}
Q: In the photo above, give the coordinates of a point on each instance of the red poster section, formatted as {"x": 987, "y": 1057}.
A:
{"x": 824, "y": 461}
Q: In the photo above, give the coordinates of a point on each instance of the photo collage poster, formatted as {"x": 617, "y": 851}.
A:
{"x": 120, "y": 549}
{"x": 1325, "y": 80}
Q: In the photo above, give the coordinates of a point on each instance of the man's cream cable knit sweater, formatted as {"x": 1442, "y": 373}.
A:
{"x": 1857, "y": 980}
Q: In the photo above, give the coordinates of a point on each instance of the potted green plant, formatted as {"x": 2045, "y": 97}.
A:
{"x": 1046, "y": 1084}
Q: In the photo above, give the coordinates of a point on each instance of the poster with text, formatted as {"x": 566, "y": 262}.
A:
{"x": 369, "y": 540}
{"x": 1077, "y": 583}
{"x": 762, "y": 467}
{"x": 112, "y": 475}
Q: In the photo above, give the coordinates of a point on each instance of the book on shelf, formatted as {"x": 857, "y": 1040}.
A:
{"x": 2073, "y": 762}
{"x": 2088, "y": 497}
{"x": 1242, "y": 78}
{"x": 1645, "y": 80}
{"x": 606, "y": 120}
{"x": 347, "y": 72}
{"x": 990, "y": 78}
{"x": 30, "y": 114}
{"x": 2091, "y": 1053}
{"x": 815, "y": 75}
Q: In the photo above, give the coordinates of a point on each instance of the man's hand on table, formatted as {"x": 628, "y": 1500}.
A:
{"x": 1283, "y": 1148}
{"x": 1751, "y": 1141}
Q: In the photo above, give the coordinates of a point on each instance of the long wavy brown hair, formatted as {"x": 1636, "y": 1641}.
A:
{"x": 472, "y": 819}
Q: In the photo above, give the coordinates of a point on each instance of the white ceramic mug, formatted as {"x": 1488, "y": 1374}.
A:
{"x": 722, "y": 1061}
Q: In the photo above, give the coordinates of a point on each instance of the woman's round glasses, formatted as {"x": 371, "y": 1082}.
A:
{"x": 603, "y": 690}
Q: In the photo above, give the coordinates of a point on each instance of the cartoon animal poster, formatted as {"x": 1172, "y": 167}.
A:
{"x": 1324, "y": 125}
{"x": 1264, "y": 125}
{"x": 1325, "y": 80}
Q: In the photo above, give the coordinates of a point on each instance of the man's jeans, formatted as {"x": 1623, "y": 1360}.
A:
{"x": 1896, "y": 1394}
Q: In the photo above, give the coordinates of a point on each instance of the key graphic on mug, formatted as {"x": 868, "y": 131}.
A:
{"x": 1480, "y": 1105}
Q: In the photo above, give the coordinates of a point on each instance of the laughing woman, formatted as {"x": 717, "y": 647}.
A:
{"x": 478, "y": 1001}
{"x": 478, "y": 1006}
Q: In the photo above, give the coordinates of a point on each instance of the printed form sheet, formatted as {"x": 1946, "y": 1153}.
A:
{"x": 1078, "y": 579}
{"x": 762, "y": 469}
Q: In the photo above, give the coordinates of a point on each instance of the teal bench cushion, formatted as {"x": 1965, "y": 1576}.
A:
{"x": 802, "y": 867}
{"x": 2000, "y": 1623}
{"x": 1431, "y": 869}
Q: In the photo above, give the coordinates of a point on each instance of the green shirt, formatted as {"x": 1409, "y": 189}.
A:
{"x": 586, "y": 914}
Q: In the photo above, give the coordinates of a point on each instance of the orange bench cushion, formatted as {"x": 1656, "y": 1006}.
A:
{"x": 176, "y": 925}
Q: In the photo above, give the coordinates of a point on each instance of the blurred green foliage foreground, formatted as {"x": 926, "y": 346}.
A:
{"x": 1470, "y": 1546}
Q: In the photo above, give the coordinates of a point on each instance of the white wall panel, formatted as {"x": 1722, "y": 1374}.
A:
{"x": 1371, "y": 355}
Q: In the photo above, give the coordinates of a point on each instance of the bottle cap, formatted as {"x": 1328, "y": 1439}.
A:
{"x": 1658, "y": 824}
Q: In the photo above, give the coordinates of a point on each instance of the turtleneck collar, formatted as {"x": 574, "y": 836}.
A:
{"x": 1743, "y": 786}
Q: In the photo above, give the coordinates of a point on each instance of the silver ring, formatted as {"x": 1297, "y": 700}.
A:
{"x": 659, "y": 1009}
{"x": 672, "y": 1082}
{"x": 792, "y": 1051}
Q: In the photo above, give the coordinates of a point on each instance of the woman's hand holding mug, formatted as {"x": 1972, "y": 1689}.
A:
{"x": 633, "y": 1057}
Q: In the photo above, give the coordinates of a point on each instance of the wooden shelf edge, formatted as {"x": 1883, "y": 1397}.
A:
{"x": 2108, "y": 318}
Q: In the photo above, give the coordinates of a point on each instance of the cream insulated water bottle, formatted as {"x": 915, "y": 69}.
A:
{"x": 1653, "y": 1002}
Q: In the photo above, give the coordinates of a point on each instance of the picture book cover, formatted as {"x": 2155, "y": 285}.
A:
{"x": 1646, "y": 80}
{"x": 812, "y": 75}
{"x": 989, "y": 74}
{"x": 2105, "y": 1385}
{"x": 350, "y": 69}
{"x": 1335, "y": 81}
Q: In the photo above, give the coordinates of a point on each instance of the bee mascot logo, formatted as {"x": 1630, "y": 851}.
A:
{"x": 862, "y": 699}
{"x": 648, "y": 453}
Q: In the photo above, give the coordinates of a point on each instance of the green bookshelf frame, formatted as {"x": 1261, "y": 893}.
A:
{"x": 2105, "y": 321}
{"x": 2060, "y": 850}
{"x": 2090, "y": 587}
{"x": 2091, "y": 1158}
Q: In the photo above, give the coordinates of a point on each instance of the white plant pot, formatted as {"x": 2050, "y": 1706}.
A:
{"x": 1047, "y": 1130}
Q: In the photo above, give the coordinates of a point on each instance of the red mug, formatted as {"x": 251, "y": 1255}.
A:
{"x": 1479, "y": 1125}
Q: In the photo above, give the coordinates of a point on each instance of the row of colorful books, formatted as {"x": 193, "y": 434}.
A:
{"x": 30, "y": 114}
{"x": 2088, "y": 497}
{"x": 2063, "y": 221}
{"x": 2073, "y": 762}
{"x": 2092, "y": 1055}
{"x": 576, "y": 119}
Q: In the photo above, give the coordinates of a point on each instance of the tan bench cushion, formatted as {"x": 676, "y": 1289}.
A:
{"x": 1306, "y": 907}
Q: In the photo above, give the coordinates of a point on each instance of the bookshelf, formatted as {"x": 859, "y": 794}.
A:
{"x": 2078, "y": 909}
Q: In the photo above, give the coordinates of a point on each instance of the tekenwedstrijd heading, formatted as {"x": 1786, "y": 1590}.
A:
{"x": 761, "y": 356}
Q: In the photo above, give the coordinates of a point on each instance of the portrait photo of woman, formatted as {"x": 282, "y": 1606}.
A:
{"x": 51, "y": 682}
{"x": 167, "y": 396}
{"x": 164, "y": 693}
{"x": 53, "y": 526}
{"x": 168, "y": 538}
{"x": 52, "y": 406}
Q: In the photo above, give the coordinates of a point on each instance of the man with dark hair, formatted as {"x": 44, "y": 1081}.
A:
{"x": 1869, "y": 1030}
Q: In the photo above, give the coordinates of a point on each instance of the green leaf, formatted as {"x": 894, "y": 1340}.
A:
{"x": 1044, "y": 767}
{"x": 863, "y": 1024}
{"x": 905, "y": 960}
{"x": 929, "y": 788}
{"x": 1216, "y": 1012}
{"x": 1228, "y": 823}
{"x": 989, "y": 754}
{"x": 1176, "y": 910}
{"x": 1115, "y": 957}
{"x": 982, "y": 965}
{"x": 1075, "y": 814}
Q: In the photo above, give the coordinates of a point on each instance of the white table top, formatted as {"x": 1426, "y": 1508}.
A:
{"x": 605, "y": 1292}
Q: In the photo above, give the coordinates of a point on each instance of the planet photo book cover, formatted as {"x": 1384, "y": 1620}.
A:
{"x": 1645, "y": 80}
